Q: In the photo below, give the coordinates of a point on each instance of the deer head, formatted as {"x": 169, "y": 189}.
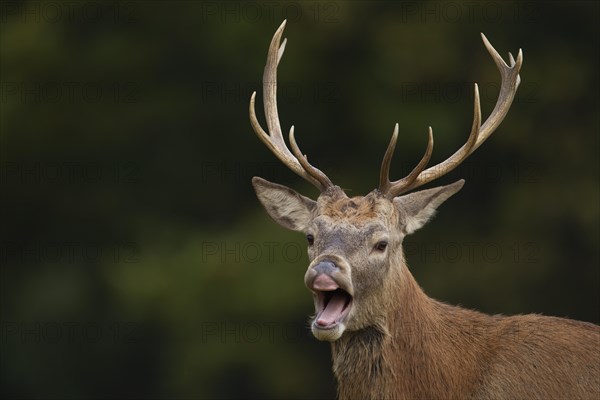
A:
{"x": 355, "y": 244}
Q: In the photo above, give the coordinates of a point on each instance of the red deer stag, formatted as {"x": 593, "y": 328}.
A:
{"x": 389, "y": 340}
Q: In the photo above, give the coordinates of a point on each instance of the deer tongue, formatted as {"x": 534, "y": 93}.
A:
{"x": 332, "y": 310}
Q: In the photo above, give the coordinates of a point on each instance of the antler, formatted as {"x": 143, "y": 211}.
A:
{"x": 297, "y": 162}
{"x": 479, "y": 133}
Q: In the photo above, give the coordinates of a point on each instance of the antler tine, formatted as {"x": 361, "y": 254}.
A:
{"x": 270, "y": 85}
{"x": 510, "y": 81}
{"x": 384, "y": 174}
{"x": 274, "y": 139}
{"x": 389, "y": 188}
{"x": 316, "y": 173}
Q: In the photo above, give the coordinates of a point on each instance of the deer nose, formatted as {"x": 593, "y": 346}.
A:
{"x": 319, "y": 277}
{"x": 325, "y": 267}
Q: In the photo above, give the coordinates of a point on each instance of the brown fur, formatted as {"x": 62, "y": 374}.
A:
{"x": 433, "y": 350}
{"x": 356, "y": 209}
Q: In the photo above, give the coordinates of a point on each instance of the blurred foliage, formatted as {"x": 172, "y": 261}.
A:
{"x": 136, "y": 261}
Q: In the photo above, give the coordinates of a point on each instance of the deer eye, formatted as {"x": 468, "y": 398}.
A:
{"x": 381, "y": 245}
{"x": 310, "y": 239}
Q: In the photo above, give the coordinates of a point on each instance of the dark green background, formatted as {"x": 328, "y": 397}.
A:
{"x": 136, "y": 260}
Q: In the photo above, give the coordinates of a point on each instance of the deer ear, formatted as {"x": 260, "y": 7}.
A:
{"x": 287, "y": 207}
{"x": 417, "y": 208}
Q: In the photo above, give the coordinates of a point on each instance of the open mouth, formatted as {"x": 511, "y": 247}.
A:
{"x": 332, "y": 307}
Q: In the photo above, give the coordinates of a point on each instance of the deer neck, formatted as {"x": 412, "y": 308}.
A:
{"x": 402, "y": 352}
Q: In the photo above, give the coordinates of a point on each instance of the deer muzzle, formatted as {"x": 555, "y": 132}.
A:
{"x": 333, "y": 299}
